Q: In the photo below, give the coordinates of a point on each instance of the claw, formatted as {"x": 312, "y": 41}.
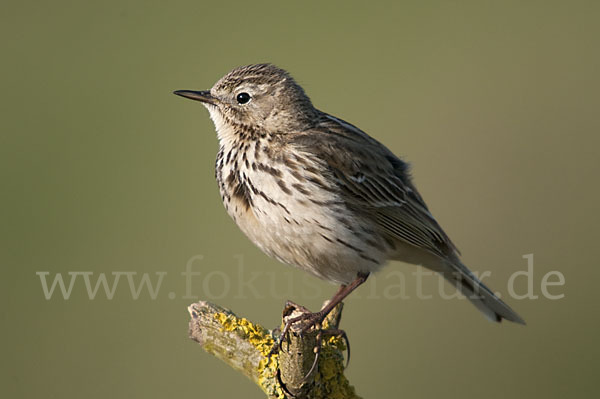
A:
{"x": 342, "y": 334}
{"x": 274, "y": 350}
{"x": 282, "y": 385}
{"x": 317, "y": 353}
{"x": 287, "y": 311}
{"x": 347, "y": 341}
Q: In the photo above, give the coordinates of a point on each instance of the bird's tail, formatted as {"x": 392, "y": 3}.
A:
{"x": 482, "y": 297}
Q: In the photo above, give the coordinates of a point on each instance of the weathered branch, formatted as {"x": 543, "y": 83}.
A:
{"x": 245, "y": 346}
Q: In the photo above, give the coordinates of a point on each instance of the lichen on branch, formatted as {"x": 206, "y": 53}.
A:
{"x": 245, "y": 346}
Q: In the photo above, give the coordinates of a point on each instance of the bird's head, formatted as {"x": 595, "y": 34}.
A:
{"x": 259, "y": 97}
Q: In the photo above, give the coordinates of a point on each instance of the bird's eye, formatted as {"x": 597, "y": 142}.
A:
{"x": 243, "y": 98}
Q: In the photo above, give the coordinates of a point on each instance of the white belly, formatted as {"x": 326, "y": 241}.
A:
{"x": 299, "y": 223}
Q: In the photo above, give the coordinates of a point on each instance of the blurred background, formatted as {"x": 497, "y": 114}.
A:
{"x": 104, "y": 170}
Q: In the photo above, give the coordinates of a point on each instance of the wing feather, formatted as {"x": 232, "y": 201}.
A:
{"x": 373, "y": 179}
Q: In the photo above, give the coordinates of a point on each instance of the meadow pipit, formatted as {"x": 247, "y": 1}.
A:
{"x": 316, "y": 192}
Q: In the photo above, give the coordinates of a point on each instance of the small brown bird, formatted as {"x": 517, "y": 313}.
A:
{"x": 316, "y": 192}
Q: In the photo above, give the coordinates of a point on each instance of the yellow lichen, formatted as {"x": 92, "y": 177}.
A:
{"x": 262, "y": 340}
{"x": 330, "y": 381}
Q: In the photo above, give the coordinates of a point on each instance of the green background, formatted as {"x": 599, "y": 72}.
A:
{"x": 103, "y": 169}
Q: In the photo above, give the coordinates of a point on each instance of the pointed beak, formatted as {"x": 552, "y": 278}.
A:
{"x": 202, "y": 96}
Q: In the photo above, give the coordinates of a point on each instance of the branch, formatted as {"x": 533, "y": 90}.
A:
{"x": 245, "y": 346}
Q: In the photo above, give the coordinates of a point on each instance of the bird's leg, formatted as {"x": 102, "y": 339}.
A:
{"x": 309, "y": 320}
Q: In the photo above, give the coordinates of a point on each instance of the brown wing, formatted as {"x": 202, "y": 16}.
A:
{"x": 374, "y": 180}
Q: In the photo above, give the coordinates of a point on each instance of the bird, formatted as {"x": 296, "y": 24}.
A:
{"x": 316, "y": 192}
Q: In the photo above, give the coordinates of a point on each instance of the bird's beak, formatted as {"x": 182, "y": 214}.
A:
{"x": 202, "y": 96}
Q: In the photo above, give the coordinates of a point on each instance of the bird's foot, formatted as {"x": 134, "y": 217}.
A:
{"x": 300, "y": 320}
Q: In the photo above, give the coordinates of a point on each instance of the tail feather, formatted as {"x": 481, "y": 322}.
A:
{"x": 492, "y": 307}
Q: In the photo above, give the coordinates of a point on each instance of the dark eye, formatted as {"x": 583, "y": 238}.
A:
{"x": 243, "y": 98}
